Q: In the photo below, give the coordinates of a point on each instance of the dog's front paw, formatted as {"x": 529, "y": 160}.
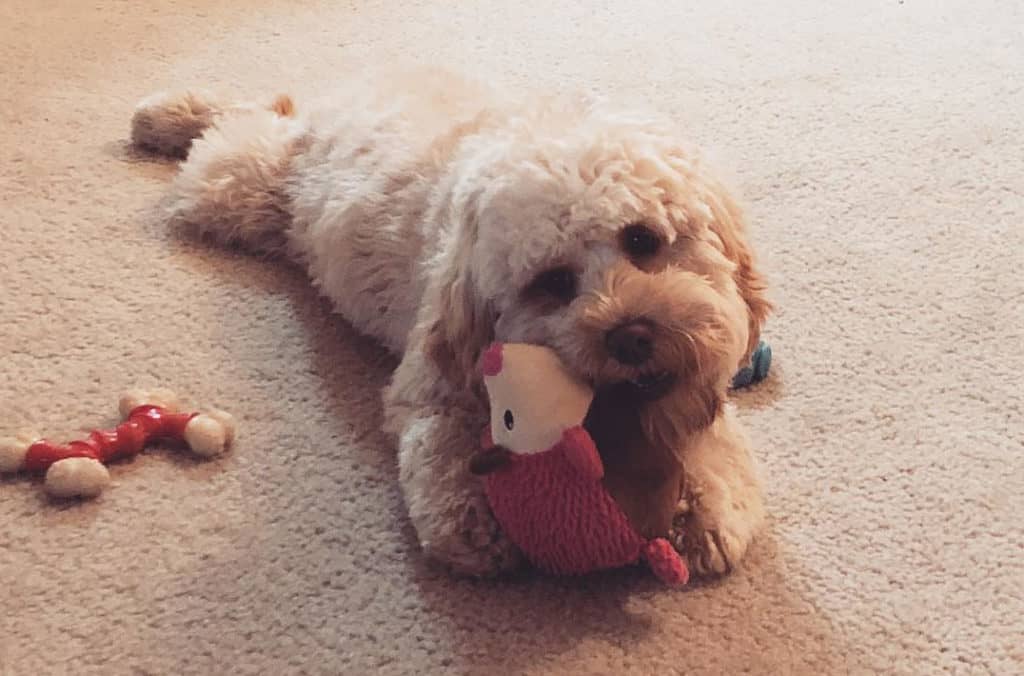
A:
{"x": 475, "y": 546}
{"x": 446, "y": 502}
{"x": 714, "y": 533}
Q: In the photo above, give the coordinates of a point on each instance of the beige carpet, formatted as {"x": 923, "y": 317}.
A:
{"x": 880, "y": 145}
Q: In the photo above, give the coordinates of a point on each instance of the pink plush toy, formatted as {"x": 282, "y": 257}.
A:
{"x": 543, "y": 474}
{"x": 78, "y": 470}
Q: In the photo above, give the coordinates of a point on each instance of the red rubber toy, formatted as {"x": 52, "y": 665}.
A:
{"x": 78, "y": 469}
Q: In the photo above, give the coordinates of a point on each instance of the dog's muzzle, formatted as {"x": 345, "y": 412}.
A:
{"x": 631, "y": 343}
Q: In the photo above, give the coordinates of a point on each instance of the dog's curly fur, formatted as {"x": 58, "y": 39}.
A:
{"x": 438, "y": 216}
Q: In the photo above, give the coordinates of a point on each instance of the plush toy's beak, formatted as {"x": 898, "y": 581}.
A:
{"x": 490, "y": 361}
{"x": 490, "y": 460}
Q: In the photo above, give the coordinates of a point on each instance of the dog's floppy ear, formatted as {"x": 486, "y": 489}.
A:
{"x": 462, "y": 322}
{"x": 728, "y": 224}
{"x": 700, "y": 393}
{"x": 690, "y": 409}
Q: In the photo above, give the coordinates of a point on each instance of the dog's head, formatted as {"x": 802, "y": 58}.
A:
{"x": 602, "y": 237}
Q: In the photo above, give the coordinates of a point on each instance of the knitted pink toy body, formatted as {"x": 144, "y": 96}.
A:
{"x": 543, "y": 474}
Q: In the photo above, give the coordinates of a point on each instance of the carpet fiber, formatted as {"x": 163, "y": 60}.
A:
{"x": 880, "y": 147}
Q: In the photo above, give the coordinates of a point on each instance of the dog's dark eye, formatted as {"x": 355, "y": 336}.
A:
{"x": 639, "y": 241}
{"x": 510, "y": 421}
{"x": 558, "y": 283}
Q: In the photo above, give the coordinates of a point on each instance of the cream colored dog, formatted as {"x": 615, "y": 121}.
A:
{"x": 438, "y": 217}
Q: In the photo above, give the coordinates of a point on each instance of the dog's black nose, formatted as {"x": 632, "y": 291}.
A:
{"x": 631, "y": 343}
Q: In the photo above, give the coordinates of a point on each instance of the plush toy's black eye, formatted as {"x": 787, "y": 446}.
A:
{"x": 639, "y": 241}
{"x": 558, "y": 283}
{"x": 510, "y": 421}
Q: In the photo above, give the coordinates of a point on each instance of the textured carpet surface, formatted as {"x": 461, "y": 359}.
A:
{"x": 880, "y": 146}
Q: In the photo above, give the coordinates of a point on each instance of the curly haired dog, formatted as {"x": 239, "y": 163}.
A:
{"x": 438, "y": 216}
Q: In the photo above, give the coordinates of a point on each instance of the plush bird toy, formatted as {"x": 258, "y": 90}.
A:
{"x": 542, "y": 472}
{"x": 78, "y": 469}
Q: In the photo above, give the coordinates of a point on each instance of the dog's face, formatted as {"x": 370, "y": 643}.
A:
{"x": 610, "y": 243}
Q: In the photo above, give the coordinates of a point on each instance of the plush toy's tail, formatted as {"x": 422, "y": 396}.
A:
{"x": 665, "y": 561}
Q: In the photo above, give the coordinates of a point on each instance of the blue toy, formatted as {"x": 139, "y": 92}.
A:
{"x": 757, "y": 370}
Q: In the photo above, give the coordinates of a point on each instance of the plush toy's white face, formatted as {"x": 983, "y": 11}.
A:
{"x": 534, "y": 399}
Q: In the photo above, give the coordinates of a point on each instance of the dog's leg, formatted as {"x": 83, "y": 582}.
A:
{"x": 722, "y": 509}
{"x": 232, "y": 187}
{"x": 445, "y": 500}
{"x": 239, "y": 156}
{"x": 439, "y": 431}
{"x": 166, "y": 123}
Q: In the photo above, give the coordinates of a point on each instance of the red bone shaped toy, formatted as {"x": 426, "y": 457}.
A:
{"x": 78, "y": 468}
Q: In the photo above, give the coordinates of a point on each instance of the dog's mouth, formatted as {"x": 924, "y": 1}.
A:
{"x": 651, "y": 386}
{"x": 646, "y": 386}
